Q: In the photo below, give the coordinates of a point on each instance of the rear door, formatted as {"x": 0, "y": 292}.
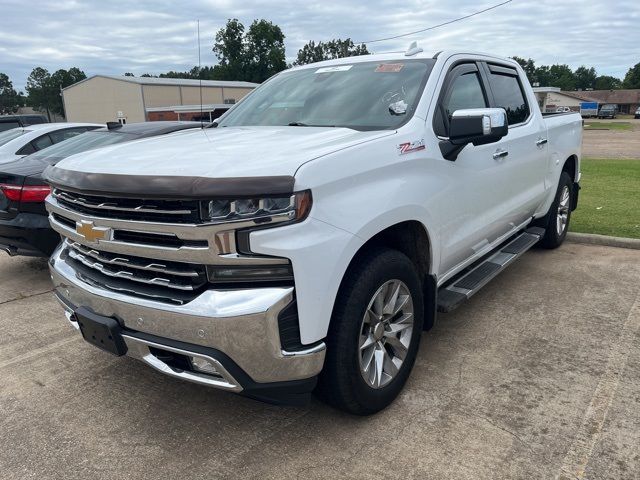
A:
{"x": 525, "y": 163}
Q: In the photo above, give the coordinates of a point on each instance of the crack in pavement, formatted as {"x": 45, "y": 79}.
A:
{"x": 22, "y": 297}
{"x": 37, "y": 351}
{"x": 577, "y": 458}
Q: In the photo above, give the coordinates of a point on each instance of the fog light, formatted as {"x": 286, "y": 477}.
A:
{"x": 203, "y": 365}
{"x": 250, "y": 273}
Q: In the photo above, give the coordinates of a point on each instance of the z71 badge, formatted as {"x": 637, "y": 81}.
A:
{"x": 410, "y": 147}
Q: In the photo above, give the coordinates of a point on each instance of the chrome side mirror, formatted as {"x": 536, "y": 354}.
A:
{"x": 478, "y": 126}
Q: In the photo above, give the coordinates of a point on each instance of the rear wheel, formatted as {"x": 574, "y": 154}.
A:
{"x": 557, "y": 220}
{"x": 374, "y": 334}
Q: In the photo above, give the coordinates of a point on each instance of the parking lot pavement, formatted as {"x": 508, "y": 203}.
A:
{"x": 612, "y": 143}
{"x": 537, "y": 376}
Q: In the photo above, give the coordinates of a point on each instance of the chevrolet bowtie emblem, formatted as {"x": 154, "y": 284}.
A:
{"x": 91, "y": 233}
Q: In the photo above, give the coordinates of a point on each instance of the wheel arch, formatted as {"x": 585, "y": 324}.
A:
{"x": 571, "y": 167}
{"x": 412, "y": 238}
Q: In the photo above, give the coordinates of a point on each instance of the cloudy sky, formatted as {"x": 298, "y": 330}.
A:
{"x": 116, "y": 36}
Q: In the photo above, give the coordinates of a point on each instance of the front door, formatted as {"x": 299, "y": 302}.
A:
{"x": 473, "y": 211}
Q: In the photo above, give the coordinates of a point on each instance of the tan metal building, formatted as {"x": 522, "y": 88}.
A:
{"x": 110, "y": 98}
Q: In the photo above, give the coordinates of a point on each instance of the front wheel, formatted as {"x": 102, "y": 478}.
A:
{"x": 557, "y": 220}
{"x": 374, "y": 333}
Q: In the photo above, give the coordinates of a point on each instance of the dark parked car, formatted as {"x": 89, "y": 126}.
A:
{"x": 637, "y": 114}
{"x": 24, "y": 225}
{"x": 608, "y": 111}
{"x": 7, "y": 122}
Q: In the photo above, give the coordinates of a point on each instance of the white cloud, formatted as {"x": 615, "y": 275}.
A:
{"x": 156, "y": 36}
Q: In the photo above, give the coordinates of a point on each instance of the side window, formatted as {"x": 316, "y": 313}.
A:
{"x": 62, "y": 135}
{"x": 28, "y": 149}
{"x": 462, "y": 89}
{"x": 42, "y": 142}
{"x": 466, "y": 92}
{"x": 508, "y": 94}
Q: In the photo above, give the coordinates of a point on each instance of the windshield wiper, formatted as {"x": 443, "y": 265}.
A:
{"x": 301, "y": 124}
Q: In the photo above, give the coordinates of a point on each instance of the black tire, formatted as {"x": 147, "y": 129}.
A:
{"x": 552, "y": 237}
{"x": 341, "y": 383}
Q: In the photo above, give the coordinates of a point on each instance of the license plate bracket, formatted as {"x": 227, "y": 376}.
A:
{"x": 100, "y": 331}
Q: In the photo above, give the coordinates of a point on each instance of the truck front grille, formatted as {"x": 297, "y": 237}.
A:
{"x": 172, "y": 282}
{"x": 154, "y": 249}
{"x": 169, "y": 211}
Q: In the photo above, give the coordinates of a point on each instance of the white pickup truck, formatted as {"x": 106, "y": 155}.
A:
{"x": 306, "y": 241}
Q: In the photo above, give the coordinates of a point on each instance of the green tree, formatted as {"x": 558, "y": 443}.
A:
{"x": 129, "y": 74}
{"x": 585, "y": 77}
{"x": 556, "y": 76}
{"x": 39, "y": 90}
{"x": 529, "y": 68}
{"x": 607, "y": 82}
{"x": 264, "y": 53}
{"x": 253, "y": 56}
{"x": 173, "y": 74}
{"x": 62, "y": 79}
{"x": 10, "y": 99}
{"x": 632, "y": 78}
{"x": 45, "y": 90}
{"x": 230, "y": 49}
{"x": 337, "y": 48}
{"x": 542, "y": 76}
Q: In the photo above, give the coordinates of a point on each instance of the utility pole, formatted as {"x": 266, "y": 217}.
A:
{"x": 64, "y": 110}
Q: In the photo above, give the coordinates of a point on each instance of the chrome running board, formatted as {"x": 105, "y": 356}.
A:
{"x": 466, "y": 284}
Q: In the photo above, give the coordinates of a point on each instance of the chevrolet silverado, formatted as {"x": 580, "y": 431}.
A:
{"x": 305, "y": 241}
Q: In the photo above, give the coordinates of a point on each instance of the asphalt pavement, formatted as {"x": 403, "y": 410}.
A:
{"x": 537, "y": 376}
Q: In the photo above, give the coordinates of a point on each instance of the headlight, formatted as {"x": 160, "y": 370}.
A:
{"x": 292, "y": 207}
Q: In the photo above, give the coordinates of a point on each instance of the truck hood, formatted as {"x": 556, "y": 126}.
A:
{"x": 225, "y": 152}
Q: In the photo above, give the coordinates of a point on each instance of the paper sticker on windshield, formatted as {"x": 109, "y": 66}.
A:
{"x": 389, "y": 67}
{"x": 337, "y": 68}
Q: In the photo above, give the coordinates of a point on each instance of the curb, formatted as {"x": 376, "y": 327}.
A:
{"x": 594, "y": 239}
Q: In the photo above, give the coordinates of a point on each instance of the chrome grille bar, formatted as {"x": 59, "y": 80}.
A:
{"x": 66, "y": 197}
{"x": 130, "y": 262}
{"x": 214, "y": 252}
{"x": 127, "y": 275}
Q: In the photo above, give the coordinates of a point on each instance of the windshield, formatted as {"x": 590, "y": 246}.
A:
{"x": 81, "y": 143}
{"x": 363, "y": 96}
{"x": 9, "y": 135}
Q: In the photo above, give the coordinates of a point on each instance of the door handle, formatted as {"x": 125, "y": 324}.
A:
{"x": 500, "y": 153}
{"x": 541, "y": 141}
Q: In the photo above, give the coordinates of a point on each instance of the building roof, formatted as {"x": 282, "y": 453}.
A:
{"x": 609, "y": 96}
{"x": 606, "y": 96}
{"x": 178, "y": 82}
{"x": 546, "y": 89}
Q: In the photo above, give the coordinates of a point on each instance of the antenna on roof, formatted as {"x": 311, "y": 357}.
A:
{"x": 200, "y": 76}
{"x": 413, "y": 50}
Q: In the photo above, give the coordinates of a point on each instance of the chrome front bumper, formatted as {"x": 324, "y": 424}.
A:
{"x": 242, "y": 324}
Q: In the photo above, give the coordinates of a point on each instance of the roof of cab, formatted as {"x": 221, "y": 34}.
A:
{"x": 403, "y": 55}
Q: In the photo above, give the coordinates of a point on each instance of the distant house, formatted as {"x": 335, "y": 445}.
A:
{"x": 550, "y": 98}
{"x": 104, "y": 98}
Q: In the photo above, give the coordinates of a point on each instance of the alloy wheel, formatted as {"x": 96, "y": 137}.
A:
{"x": 563, "y": 211}
{"x": 385, "y": 333}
